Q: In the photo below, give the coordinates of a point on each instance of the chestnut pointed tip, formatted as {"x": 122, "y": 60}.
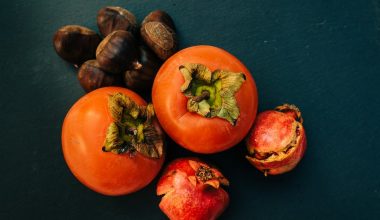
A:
{"x": 137, "y": 65}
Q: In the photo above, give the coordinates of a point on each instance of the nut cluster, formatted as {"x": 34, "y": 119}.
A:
{"x": 124, "y": 57}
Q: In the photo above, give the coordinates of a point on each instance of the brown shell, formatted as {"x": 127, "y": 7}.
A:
{"x": 117, "y": 52}
{"x": 159, "y": 16}
{"x": 142, "y": 75}
{"x": 92, "y": 77}
{"x": 110, "y": 19}
{"x": 160, "y": 38}
{"x": 76, "y": 44}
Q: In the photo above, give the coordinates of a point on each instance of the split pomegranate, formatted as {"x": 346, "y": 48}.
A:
{"x": 192, "y": 190}
{"x": 277, "y": 140}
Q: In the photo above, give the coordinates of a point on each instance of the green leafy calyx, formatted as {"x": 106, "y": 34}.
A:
{"x": 132, "y": 129}
{"x": 211, "y": 94}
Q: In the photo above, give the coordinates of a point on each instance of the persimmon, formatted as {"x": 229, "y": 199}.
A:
{"x": 205, "y": 99}
{"x": 112, "y": 142}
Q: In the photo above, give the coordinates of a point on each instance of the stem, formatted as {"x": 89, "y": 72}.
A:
{"x": 204, "y": 95}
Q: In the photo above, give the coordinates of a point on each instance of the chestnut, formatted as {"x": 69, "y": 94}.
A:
{"x": 76, "y": 44}
{"x": 142, "y": 75}
{"x": 92, "y": 77}
{"x": 110, "y": 19}
{"x": 159, "y": 16}
{"x": 117, "y": 52}
{"x": 160, "y": 38}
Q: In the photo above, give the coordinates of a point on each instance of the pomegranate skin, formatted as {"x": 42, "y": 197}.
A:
{"x": 277, "y": 140}
{"x": 186, "y": 195}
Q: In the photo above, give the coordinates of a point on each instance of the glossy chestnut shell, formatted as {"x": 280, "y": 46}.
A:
{"x": 160, "y": 38}
{"x": 92, "y": 77}
{"x": 117, "y": 52}
{"x": 76, "y": 44}
{"x": 141, "y": 77}
{"x": 159, "y": 16}
{"x": 110, "y": 19}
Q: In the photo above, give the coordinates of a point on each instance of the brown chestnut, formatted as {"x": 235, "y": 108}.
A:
{"x": 110, "y": 19}
{"x": 92, "y": 77}
{"x": 141, "y": 77}
{"x": 160, "y": 38}
{"x": 159, "y": 16}
{"x": 117, "y": 52}
{"x": 75, "y": 43}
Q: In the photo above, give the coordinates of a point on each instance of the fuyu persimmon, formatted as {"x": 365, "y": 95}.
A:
{"x": 111, "y": 141}
{"x": 205, "y": 99}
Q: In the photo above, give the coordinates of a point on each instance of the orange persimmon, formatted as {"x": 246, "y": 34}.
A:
{"x": 103, "y": 141}
{"x": 205, "y": 99}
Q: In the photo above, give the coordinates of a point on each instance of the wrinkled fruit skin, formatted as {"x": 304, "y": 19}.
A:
{"x": 277, "y": 140}
{"x": 187, "y": 196}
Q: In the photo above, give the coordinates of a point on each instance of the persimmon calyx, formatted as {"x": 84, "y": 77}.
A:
{"x": 132, "y": 129}
{"x": 211, "y": 94}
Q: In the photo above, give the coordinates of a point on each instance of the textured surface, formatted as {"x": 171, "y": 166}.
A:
{"x": 323, "y": 56}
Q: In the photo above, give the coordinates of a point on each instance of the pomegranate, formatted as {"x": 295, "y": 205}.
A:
{"x": 277, "y": 140}
{"x": 191, "y": 189}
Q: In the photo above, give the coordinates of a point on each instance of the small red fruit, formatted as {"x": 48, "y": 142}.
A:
{"x": 277, "y": 140}
{"x": 191, "y": 190}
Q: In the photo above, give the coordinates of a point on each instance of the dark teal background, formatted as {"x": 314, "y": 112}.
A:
{"x": 323, "y": 56}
